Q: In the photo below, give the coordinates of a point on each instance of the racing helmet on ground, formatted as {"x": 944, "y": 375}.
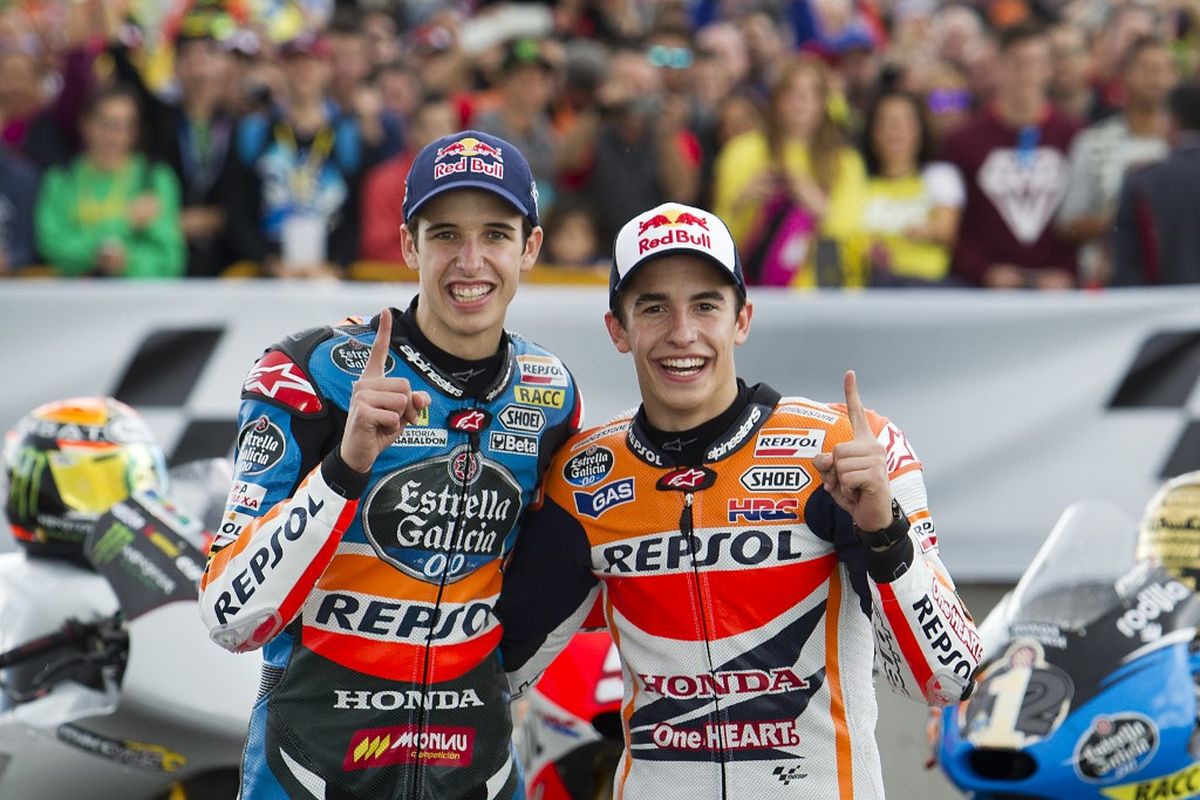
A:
{"x": 1169, "y": 531}
{"x": 570, "y": 737}
{"x": 69, "y": 461}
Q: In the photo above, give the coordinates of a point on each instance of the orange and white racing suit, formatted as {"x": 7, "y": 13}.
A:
{"x": 747, "y": 613}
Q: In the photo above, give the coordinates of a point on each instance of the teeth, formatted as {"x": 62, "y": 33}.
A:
{"x": 683, "y": 366}
{"x": 468, "y": 293}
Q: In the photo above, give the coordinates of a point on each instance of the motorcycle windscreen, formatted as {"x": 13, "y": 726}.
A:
{"x": 142, "y": 546}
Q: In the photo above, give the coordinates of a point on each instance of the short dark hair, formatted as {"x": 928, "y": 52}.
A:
{"x": 1184, "y": 102}
{"x": 1020, "y": 33}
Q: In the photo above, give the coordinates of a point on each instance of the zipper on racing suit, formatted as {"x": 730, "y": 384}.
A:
{"x": 687, "y": 530}
{"x": 423, "y": 712}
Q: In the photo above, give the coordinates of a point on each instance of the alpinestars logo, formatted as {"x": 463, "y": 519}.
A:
{"x": 436, "y": 378}
{"x": 277, "y": 377}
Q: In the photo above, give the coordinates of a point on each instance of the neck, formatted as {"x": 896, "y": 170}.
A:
{"x": 108, "y": 163}
{"x": 1148, "y": 120}
{"x": 470, "y": 348}
{"x": 1019, "y": 111}
{"x": 200, "y": 105}
{"x": 665, "y": 418}
{"x": 306, "y": 113}
{"x": 898, "y": 169}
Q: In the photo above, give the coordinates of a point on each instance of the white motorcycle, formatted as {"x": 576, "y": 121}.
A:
{"x": 109, "y": 684}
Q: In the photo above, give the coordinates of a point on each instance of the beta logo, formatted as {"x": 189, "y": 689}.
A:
{"x": 610, "y": 495}
{"x": 537, "y": 396}
{"x": 763, "y": 509}
{"x": 789, "y": 444}
{"x": 515, "y": 443}
{"x": 542, "y": 371}
{"x": 522, "y": 419}
{"x": 775, "y": 479}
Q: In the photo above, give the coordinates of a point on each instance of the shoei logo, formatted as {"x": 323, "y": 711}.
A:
{"x": 469, "y": 155}
{"x": 775, "y": 479}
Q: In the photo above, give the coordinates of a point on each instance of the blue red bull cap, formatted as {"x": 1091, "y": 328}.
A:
{"x": 471, "y": 160}
{"x": 668, "y": 229}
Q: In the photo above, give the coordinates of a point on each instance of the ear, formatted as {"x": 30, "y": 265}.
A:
{"x": 533, "y": 246}
{"x": 408, "y": 245}
{"x": 741, "y": 325}
{"x": 616, "y": 332}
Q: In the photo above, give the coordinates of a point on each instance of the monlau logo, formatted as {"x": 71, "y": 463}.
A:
{"x": 362, "y": 700}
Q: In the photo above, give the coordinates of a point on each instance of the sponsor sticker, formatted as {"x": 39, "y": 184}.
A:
{"x": 542, "y": 371}
{"x": 433, "y": 745}
{"x": 247, "y": 495}
{"x": 363, "y": 700}
{"x": 422, "y": 437}
{"x": 148, "y": 757}
{"x": 539, "y": 396}
{"x": 522, "y": 419}
{"x": 469, "y": 420}
{"x": 804, "y": 443}
{"x": 1114, "y": 746}
{"x": 595, "y": 503}
{"x": 420, "y": 520}
{"x": 763, "y": 509}
{"x": 351, "y": 357}
{"x": 774, "y": 479}
{"x": 715, "y": 550}
{"x": 899, "y": 452}
{"x": 261, "y": 444}
{"x": 1177, "y": 786}
{"x": 589, "y": 467}
{"x": 515, "y": 443}
{"x": 716, "y": 736}
{"x": 687, "y": 479}
{"x": 277, "y": 377}
{"x": 469, "y": 155}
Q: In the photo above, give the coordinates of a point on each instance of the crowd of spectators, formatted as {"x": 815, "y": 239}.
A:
{"x": 1043, "y": 144}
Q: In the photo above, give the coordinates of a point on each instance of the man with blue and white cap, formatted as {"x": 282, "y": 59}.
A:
{"x": 755, "y": 555}
{"x": 383, "y": 467}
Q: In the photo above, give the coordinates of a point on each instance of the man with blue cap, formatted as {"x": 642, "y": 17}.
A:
{"x": 383, "y": 466}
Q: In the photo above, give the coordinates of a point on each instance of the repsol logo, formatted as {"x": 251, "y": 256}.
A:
{"x": 402, "y": 621}
{"x": 362, "y": 700}
{"x": 746, "y": 548}
{"x": 946, "y": 650}
{"x": 264, "y": 558}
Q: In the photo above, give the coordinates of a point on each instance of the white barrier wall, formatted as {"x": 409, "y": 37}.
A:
{"x": 1010, "y": 399}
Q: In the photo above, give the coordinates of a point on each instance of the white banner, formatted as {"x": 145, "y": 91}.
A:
{"x": 1011, "y": 399}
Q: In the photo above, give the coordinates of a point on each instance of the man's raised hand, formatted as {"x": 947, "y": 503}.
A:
{"x": 855, "y": 472}
{"x": 380, "y": 407}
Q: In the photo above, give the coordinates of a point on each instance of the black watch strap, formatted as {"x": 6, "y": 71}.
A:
{"x": 895, "y": 532}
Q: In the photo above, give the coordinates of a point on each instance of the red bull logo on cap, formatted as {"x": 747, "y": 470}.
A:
{"x": 469, "y": 155}
{"x": 682, "y": 227}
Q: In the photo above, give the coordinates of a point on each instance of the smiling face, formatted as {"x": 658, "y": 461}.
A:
{"x": 470, "y": 250}
{"x": 680, "y": 324}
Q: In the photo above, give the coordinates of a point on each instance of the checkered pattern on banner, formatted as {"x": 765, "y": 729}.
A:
{"x": 1164, "y": 375}
{"x": 160, "y": 378}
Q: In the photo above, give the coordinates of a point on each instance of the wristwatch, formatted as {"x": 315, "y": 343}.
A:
{"x": 895, "y": 532}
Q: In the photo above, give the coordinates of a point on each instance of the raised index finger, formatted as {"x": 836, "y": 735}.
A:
{"x": 379, "y": 348}
{"x": 854, "y": 407}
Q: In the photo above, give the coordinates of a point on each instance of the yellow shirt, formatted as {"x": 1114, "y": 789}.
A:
{"x": 893, "y": 205}
{"x": 747, "y": 156}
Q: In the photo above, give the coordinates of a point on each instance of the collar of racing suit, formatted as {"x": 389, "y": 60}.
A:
{"x": 710, "y": 441}
{"x": 457, "y": 377}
